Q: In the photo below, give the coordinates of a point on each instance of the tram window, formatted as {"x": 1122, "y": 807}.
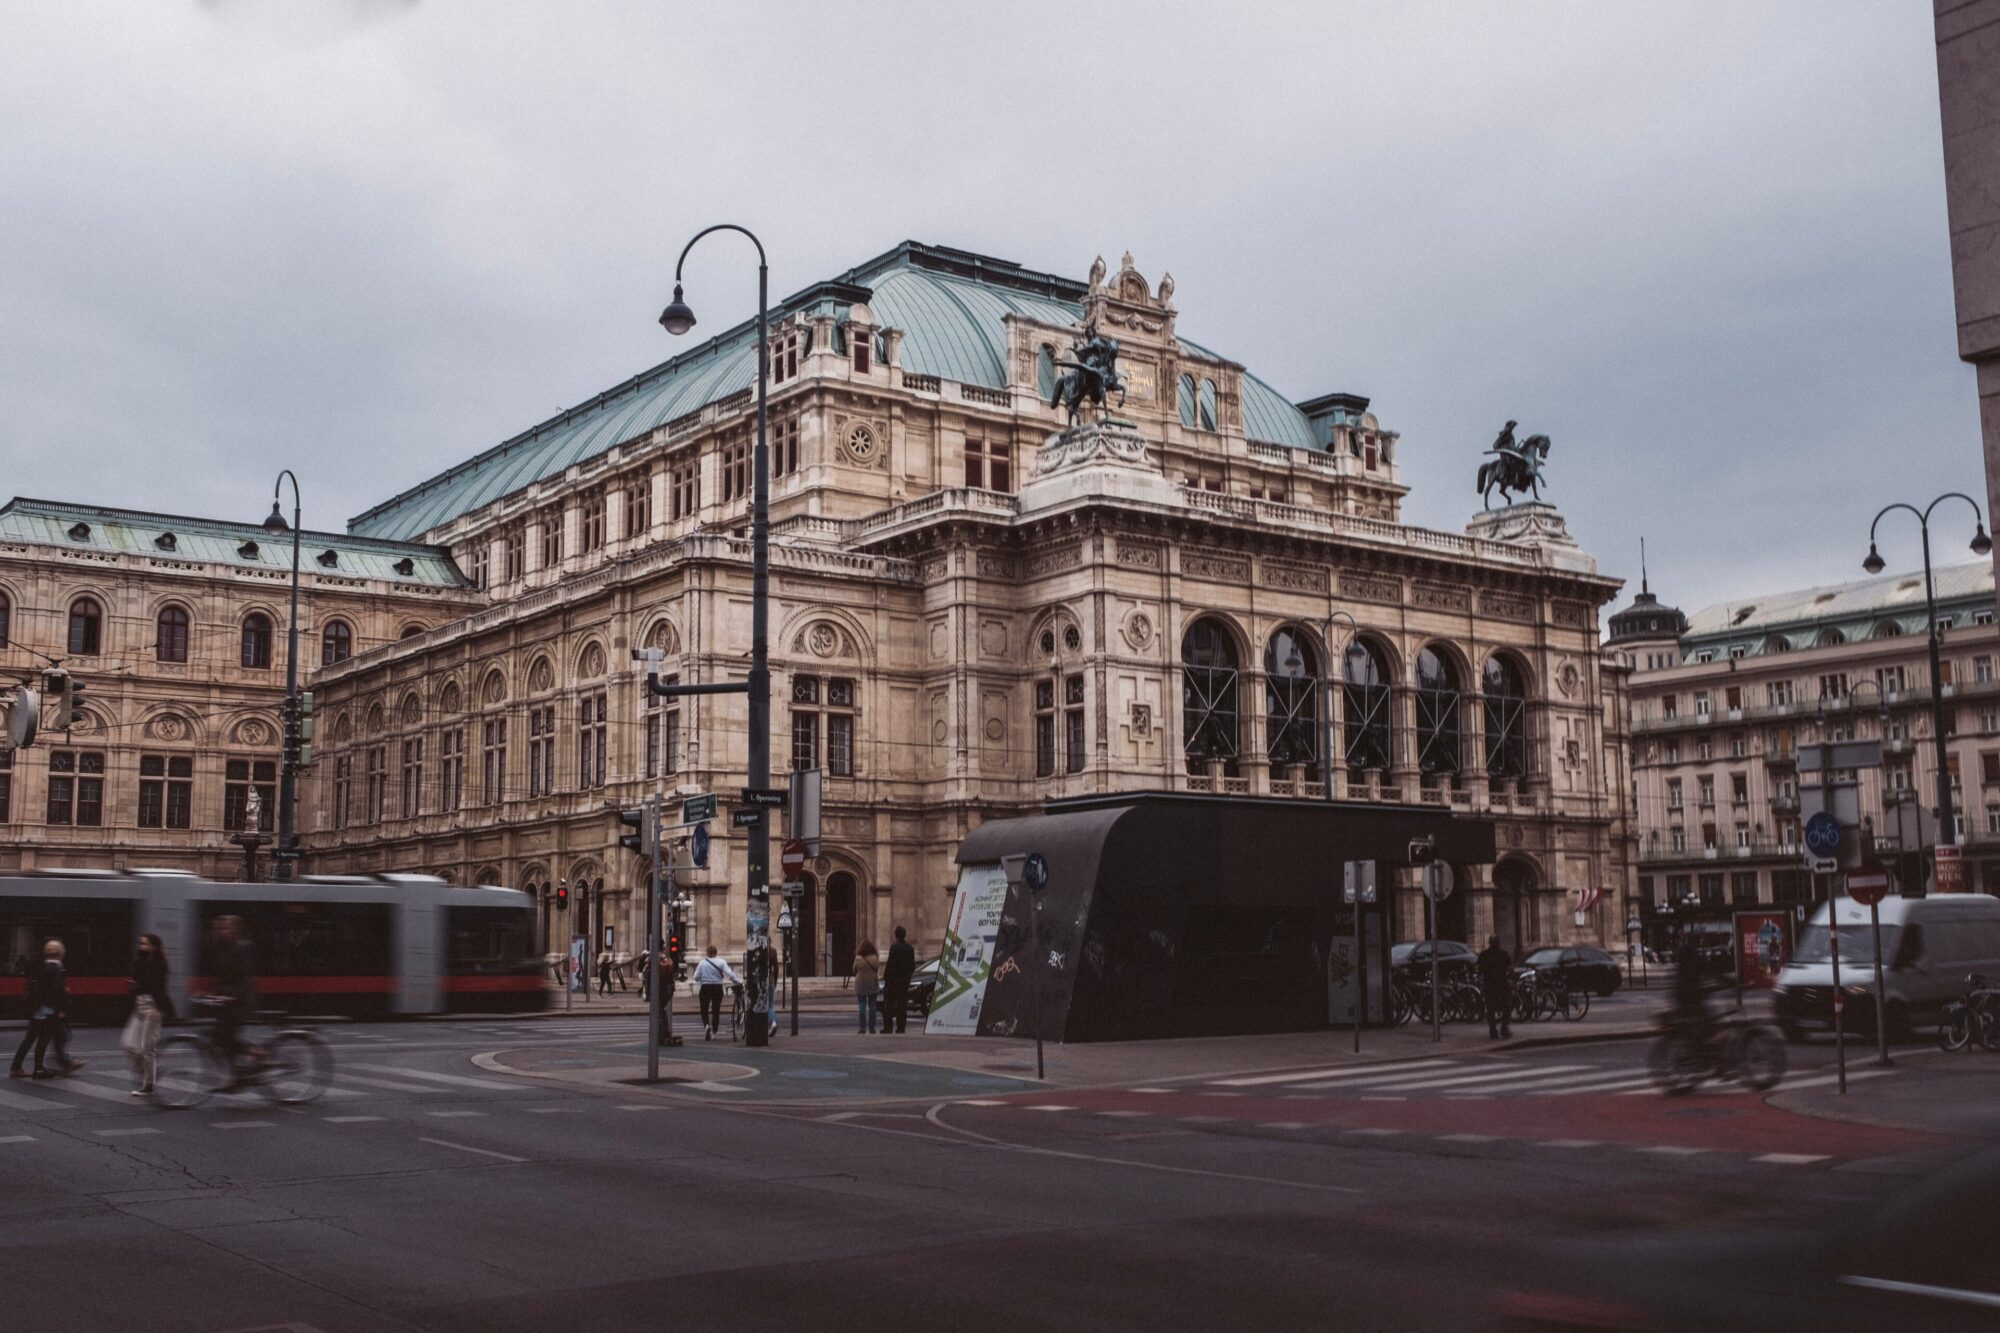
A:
{"x": 488, "y": 940}
{"x": 307, "y": 939}
{"x": 96, "y": 934}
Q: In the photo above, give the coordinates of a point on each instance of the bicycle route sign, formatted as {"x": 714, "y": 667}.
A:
{"x": 1823, "y": 834}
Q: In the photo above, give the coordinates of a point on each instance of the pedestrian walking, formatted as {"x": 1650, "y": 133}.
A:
{"x": 867, "y": 983}
{"x": 603, "y": 972}
{"x": 151, "y": 1006}
{"x": 48, "y": 1019}
{"x": 710, "y": 974}
{"x": 644, "y": 962}
{"x": 1496, "y": 975}
{"x": 896, "y": 974}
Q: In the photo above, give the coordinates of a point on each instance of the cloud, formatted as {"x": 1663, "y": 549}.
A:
{"x": 1701, "y": 246}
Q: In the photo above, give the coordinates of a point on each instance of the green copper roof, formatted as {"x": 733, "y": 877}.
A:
{"x": 175, "y": 537}
{"x": 950, "y": 304}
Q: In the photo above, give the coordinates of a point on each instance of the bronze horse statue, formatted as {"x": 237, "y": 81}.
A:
{"x": 1091, "y": 377}
{"x": 1514, "y": 468}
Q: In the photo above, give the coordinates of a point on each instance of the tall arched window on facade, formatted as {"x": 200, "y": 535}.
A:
{"x": 1208, "y": 696}
{"x": 170, "y": 635}
{"x": 1365, "y": 704}
{"x": 1291, "y": 701}
{"x": 257, "y": 640}
{"x": 1504, "y": 710}
{"x": 1184, "y": 399}
{"x": 6, "y": 610}
{"x": 86, "y": 627}
{"x": 1438, "y": 722}
{"x": 336, "y": 642}
{"x": 1204, "y": 405}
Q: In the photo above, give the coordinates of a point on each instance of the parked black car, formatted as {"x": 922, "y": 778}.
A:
{"x": 923, "y": 984}
{"x": 1580, "y": 967}
{"x": 1412, "y": 961}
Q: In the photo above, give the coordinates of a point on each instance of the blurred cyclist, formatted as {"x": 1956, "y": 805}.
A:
{"x": 236, "y": 986}
{"x": 1689, "y": 1011}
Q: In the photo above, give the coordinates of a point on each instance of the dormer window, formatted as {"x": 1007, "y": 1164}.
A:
{"x": 863, "y": 347}
{"x": 79, "y": 532}
{"x": 248, "y": 550}
{"x": 328, "y": 558}
{"x": 166, "y": 541}
{"x": 405, "y": 566}
{"x": 785, "y": 349}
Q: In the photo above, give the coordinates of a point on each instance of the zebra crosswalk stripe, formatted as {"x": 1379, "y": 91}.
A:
{"x": 1332, "y": 1072}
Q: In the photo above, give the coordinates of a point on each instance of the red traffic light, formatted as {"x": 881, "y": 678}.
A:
{"x": 562, "y": 897}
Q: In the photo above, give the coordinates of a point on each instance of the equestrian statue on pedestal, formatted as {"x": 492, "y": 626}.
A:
{"x": 1092, "y": 376}
{"x": 1515, "y": 467}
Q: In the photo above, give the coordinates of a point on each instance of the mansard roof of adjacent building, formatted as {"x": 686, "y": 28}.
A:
{"x": 951, "y": 306}
{"x": 1646, "y": 618}
{"x": 80, "y": 527}
{"x": 1878, "y": 607}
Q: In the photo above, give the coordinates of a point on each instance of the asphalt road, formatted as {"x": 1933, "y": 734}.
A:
{"x": 430, "y": 1193}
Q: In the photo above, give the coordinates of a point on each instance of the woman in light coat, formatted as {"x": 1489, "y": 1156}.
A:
{"x": 151, "y": 1006}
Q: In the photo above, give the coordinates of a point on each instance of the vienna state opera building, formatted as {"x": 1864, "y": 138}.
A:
{"x": 974, "y": 611}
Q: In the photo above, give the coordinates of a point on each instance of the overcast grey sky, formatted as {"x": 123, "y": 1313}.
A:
{"x": 1702, "y": 246}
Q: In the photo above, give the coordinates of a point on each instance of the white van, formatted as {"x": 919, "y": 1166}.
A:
{"x": 1929, "y": 947}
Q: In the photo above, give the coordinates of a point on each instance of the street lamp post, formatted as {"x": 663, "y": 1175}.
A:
{"x": 1981, "y": 545}
{"x": 677, "y": 319}
{"x": 285, "y": 857}
{"x": 1865, "y": 830}
{"x": 1326, "y": 794}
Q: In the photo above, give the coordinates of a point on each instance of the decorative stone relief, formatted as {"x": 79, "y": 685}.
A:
{"x": 1433, "y": 598}
{"x": 995, "y": 729}
{"x": 541, "y": 676}
{"x": 1137, "y": 630}
{"x": 824, "y": 639}
{"x": 1573, "y": 614}
{"x": 1142, "y": 719}
{"x": 860, "y": 442}
{"x": 1298, "y": 578}
{"x": 1371, "y": 588}
{"x": 1507, "y": 607}
{"x": 940, "y": 640}
{"x": 1050, "y": 562}
{"x": 1092, "y": 442}
{"x": 932, "y": 569}
{"x": 1215, "y": 565}
{"x": 253, "y": 732}
{"x": 1569, "y": 678}
{"x": 168, "y": 727}
{"x": 664, "y": 637}
{"x": 592, "y": 665}
{"x": 1140, "y": 555}
{"x": 993, "y": 638}
{"x": 995, "y": 566}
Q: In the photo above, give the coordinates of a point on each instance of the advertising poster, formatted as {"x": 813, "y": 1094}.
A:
{"x": 968, "y": 951}
{"x": 1763, "y": 943}
{"x": 579, "y": 963}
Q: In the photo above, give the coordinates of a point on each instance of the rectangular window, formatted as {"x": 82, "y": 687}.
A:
{"x": 1743, "y": 837}
{"x": 1778, "y": 694}
{"x": 1670, "y": 706}
{"x": 1701, "y": 704}
{"x": 1743, "y": 888}
{"x": 1733, "y": 698}
{"x": 513, "y": 550}
{"x": 638, "y": 504}
{"x": 1673, "y": 793}
{"x": 1707, "y": 789}
{"x": 378, "y": 786}
{"x": 864, "y": 347}
{"x": 1703, "y": 751}
{"x": 413, "y": 776}
{"x": 1739, "y": 788}
{"x": 1677, "y": 838}
{"x": 839, "y": 734}
{"x": 552, "y": 537}
{"x": 735, "y": 470}
{"x": 1045, "y": 728}
{"x": 1833, "y": 685}
{"x": 591, "y": 740}
{"x": 785, "y": 347}
{"x": 166, "y": 791}
{"x": 243, "y": 776}
{"x": 343, "y": 785}
{"x": 989, "y": 465}
{"x": 840, "y": 744}
{"x": 805, "y": 740}
{"x": 1073, "y": 731}
{"x": 451, "y": 769}
{"x": 1982, "y": 670}
{"x": 1679, "y": 888}
{"x": 476, "y": 562}
{"x": 785, "y": 445}
{"x": 1738, "y": 746}
{"x": 684, "y": 488}
{"x": 590, "y": 520}
{"x": 76, "y": 788}
{"x": 1711, "y": 890}
{"x": 541, "y": 750}
{"x": 1889, "y": 679}
{"x": 493, "y": 761}
{"x": 1945, "y": 675}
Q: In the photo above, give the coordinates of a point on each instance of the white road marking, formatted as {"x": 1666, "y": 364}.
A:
{"x": 1460, "y": 1080}
{"x": 78, "y": 1087}
{"x": 455, "y": 1080}
{"x": 1149, "y": 1089}
{"x": 553, "y": 1110}
{"x": 466, "y": 1147}
{"x": 1790, "y": 1158}
{"x": 1618, "y": 1085}
{"x": 456, "y": 1115}
{"x": 1048, "y": 1108}
{"x": 389, "y": 1085}
{"x": 242, "y": 1124}
{"x": 1385, "y": 1099}
{"x": 353, "y": 1119}
{"x": 1468, "y": 1138}
{"x": 645, "y": 1106}
{"x": 1376, "y": 1133}
{"x": 1827, "y": 1080}
{"x": 981, "y": 1101}
{"x": 18, "y": 1138}
{"x": 1284, "y": 1124}
{"x": 18, "y": 1103}
{"x": 1669, "y": 1150}
{"x": 1203, "y": 1119}
{"x": 1124, "y": 1115}
{"x": 1331, "y": 1072}
{"x": 1567, "y": 1143}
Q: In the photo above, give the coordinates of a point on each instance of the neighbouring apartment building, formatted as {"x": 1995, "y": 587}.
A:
{"x": 1724, "y": 700}
{"x": 176, "y": 628}
{"x": 971, "y": 613}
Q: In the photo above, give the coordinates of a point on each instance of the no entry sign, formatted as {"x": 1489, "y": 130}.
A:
{"x": 1868, "y": 887}
{"x": 793, "y": 859}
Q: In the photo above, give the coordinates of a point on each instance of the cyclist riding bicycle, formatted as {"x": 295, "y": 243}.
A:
{"x": 235, "y": 993}
{"x": 1689, "y": 1012}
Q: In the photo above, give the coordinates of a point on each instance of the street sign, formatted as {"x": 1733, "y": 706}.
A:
{"x": 1035, "y": 874}
{"x": 792, "y": 860}
{"x": 1437, "y": 881}
{"x": 746, "y": 818}
{"x": 1950, "y": 868}
{"x": 1823, "y": 834}
{"x": 1822, "y": 865}
{"x": 768, "y": 797}
{"x": 694, "y": 809}
{"x": 698, "y": 843}
{"x": 1868, "y": 887}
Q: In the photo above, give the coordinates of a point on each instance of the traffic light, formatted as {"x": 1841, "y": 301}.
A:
{"x": 73, "y": 707}
{"x": 562, "y": 895}
{"x": 674, "y": 949}
{"x": 1423, "y": 851}
{"x": 303, "y": 745}
{"x": 635, "y": 841}
{"x": 56, "y": 684}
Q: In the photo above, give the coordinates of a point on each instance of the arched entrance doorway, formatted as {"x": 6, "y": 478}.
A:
{"x": 840, "y": 895}
{"x": 1514, "y": 905}
{"x": 806, "y": 943}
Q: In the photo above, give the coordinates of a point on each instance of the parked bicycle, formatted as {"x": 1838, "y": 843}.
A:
{"x": 1974, "y": 1016}
{"x": 1543, "y": 995}
{"x": 1733, "y": 1051}
{"x": 289, "y": 1067}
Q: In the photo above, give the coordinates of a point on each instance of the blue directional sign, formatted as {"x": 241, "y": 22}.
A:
{"x": 1822, "y": 834}
{"x": 698, "y": 845}
{"x": 1035, "y": 874}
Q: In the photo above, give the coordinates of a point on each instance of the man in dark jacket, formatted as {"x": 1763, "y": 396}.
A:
{"x": 1496, "y": 979}
{"x": 235, "y": 968}
{"x": 48, "y": 1010}
{"x": 897, "y": 970}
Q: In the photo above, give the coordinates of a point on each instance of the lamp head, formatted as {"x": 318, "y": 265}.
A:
{"x": 275, "y": 521}
{"x": 677, "y": 318}
{"x": 1981, "y": 543}
{"x": 1874, "y": 564}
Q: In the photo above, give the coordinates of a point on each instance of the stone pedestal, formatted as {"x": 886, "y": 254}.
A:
{"x": 1533, "y": 523}
{"x": 1105, "y": 457}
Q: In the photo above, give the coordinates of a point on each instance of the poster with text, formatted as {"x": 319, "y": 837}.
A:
{"x": 1763, "y": 944}
{"x": 968, "y": 951}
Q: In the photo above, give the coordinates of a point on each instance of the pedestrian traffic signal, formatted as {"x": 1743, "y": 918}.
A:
{"x": 304, "y": 739}
{"x": 1423, "y": 851}
{"x": 635, "y": 841}
{"x": 562, "y": 897}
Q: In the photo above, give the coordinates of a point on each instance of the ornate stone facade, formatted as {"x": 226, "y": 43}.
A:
{"x": 973, "y": 610}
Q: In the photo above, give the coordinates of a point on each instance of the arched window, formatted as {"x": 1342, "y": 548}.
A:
{"x": 1204, "y": 405}
{"x": 1888, "y": 629}
{"x": 1777, "y": 643}
{"x": 336, "y": 642}
{"x": 411, "y": 631}
{"x": 1184, "y": 399}
{"x": 1291, "y": 700}
{"x": 86, "y": 627}
{"x": 1208, "y": 696}
{"x": 1504, "y": 709}
{"x": 257, "y": 641}
{"x": 6, "y": 608}
{"x": 170, "y": 635}
{"x": 1829, "y": 637}
{"x": 1045, "y": 371}
{"x": 1365, "y": 704}
{"x": 1437, "y": 715}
